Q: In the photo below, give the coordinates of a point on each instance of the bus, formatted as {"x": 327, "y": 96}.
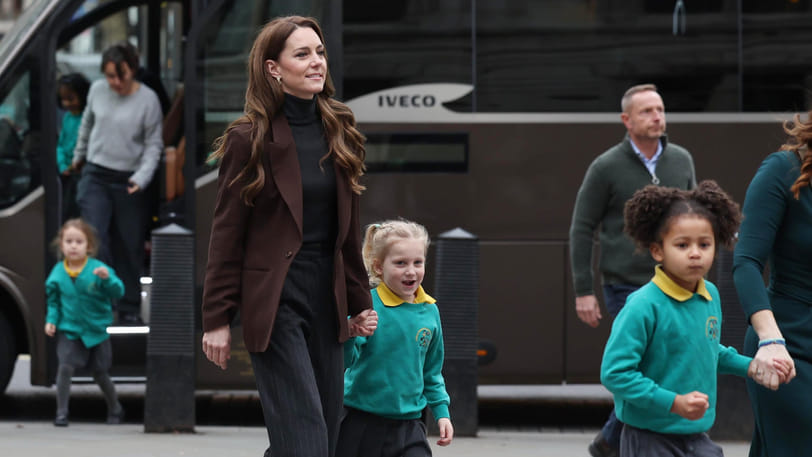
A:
{"x": 478, "y": 115}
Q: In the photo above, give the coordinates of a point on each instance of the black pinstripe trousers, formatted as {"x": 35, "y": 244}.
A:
{"x": 300, "y": 377}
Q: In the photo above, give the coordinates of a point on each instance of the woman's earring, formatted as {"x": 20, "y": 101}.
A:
{"x": 278, "y": 78}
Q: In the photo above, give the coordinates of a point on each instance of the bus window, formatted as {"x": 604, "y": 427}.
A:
{"x": 417, "y": 153}
{"x": 225, "y": 44}
{"x": 17, "y": 172}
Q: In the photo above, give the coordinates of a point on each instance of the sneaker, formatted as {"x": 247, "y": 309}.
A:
{"x": 61, "y": 420}
{"x": 600, "y": 448}
{"x": 116, "y": 418}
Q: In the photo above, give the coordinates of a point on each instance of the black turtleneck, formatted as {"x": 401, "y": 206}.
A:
{"x": 320, "y": 215}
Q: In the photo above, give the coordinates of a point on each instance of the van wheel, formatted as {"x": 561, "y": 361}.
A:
{"x": 8, "y": 352}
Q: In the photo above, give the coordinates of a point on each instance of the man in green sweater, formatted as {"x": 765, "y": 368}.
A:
{"x": 643, "y": 157}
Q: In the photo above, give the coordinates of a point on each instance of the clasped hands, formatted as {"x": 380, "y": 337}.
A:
{"x": 217, "y": 342}
{"x": 363, "y": 323}
{"x": 772, "y": 366}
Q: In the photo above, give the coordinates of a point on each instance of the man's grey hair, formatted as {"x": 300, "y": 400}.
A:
{"x": 626, "y": 101}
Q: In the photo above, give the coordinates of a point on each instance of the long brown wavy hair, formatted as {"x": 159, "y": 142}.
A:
{"x": 800, "y": 143}
{"x": 264, "y": 98}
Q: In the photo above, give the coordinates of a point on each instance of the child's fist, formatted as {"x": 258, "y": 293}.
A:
{"x": 101, "y": 272}
{"x": 691, "y": 406}
{"x": 50, "y": 329}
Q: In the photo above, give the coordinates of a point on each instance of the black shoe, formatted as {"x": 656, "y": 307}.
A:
{"x": 129, "y": 319}
{"x": 116, "y": 418}
{"x": 600, "y": 448}
{"x": 61, "y": 421}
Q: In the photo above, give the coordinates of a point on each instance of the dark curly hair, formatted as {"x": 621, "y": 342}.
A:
{"x": 648, "y": 213}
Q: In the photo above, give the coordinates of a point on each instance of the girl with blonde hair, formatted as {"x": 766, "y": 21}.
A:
{"x": 394, "y": 374}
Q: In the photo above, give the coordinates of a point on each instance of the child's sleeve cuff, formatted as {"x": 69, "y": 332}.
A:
{"x": 440, "y": 411}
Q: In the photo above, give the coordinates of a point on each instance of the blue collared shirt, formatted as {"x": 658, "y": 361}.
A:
{"x": 651, "y": 164}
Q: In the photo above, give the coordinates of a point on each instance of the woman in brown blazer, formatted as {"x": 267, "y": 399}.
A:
{"x": 285, "y": 247}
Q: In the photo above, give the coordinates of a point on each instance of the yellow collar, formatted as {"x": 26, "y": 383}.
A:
{"x": 674, "y": 290}
{"x": 389, "y": 298}
{"x": 73, "y": 273}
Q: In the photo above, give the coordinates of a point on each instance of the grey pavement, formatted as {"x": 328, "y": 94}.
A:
{"x": 85, "y": 438}
{"x": 39, "y": 439}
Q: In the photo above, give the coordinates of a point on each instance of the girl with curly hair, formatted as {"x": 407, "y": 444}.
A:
{"x": 664, "y": 351}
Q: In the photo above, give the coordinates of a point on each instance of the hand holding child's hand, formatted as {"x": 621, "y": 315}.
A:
{"x": 691, "y": 406}
{"x": 446, "y": 431}
{"x": 771, "y": 366}
{"x": 50, "y": 329}
{"x": 101, "y": 272}
{"x": 364, "y": 323}
{"x": 785, "y": 369}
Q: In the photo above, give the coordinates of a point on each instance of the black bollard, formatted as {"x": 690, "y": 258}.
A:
{"x": 457, "y": 291}
{"x": 169, "y": 401}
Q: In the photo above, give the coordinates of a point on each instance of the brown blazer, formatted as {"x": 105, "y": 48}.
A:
{"x": 252, "y": 247}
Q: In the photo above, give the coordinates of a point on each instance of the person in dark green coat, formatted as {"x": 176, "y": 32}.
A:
{"x": 777, "y": 233}
{"x": 79, "y": 292}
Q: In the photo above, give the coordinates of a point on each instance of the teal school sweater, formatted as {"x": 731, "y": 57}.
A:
{"x": 665, "y": 342}
{"x": 397, "y": 371}
{"x": 82, "y": 308}
{"x": 67, "y": 140}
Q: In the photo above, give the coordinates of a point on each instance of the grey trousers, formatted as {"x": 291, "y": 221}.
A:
{"x": 636, "y": 442}
{"x": 300, "y": 377}
{"x": 368, "y": 435}
{"x": 73, "y": 354}
{"x": 120, "y": 222}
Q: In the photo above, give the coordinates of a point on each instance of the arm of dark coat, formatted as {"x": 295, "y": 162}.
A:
{"x": 223, "y": 283}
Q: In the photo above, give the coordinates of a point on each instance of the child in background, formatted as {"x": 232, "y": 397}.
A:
{"x": 392, "y": 375}
{"x": 73, "y": 90}
{"x": 663, "y": 355}
{"x": 79, "y": 291}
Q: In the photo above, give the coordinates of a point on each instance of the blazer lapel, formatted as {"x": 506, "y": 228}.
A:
{"x": 285, "y": 167}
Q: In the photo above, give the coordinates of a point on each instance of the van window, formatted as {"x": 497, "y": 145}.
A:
{"x": 83, "y": 53}
{"x": 19, "y": 172}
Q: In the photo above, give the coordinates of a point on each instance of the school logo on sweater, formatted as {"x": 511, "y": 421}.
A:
{"x": 712, "y": 328}
{"x": 423, "y": 337}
